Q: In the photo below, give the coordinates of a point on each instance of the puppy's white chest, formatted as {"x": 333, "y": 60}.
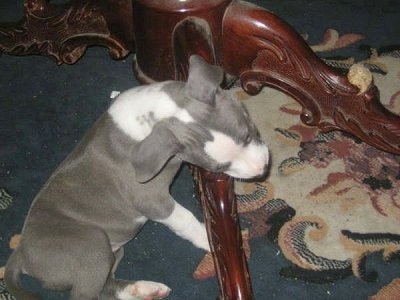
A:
{"x": 137, "y": 110}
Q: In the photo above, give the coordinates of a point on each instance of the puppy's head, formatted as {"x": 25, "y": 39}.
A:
{"x": 219, "y": 136}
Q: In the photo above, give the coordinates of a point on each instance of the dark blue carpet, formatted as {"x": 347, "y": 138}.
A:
{"x": 45, "y": 109}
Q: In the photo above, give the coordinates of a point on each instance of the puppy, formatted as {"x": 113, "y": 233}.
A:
{"x": 118, "y": 177}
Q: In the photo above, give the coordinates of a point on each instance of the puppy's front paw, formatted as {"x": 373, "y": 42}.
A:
{"x": 201, "y": 239}
{"x": 144, "y": 290}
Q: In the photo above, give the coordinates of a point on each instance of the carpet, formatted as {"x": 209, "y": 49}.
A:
{"x": 325, "y": 223}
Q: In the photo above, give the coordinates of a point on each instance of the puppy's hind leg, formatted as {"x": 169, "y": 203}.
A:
{"x": 12, "y": 276}
{"x": 93, "y": 261}
{"x": 89, "y": 283}
{"x": 116, "y": 289}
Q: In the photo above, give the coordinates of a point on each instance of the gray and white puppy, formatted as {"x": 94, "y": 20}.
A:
{"x": 118, "y": 177}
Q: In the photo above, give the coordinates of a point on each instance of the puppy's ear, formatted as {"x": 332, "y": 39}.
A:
{"x": 203, "y": 80}
{"x": 150, "y": 155}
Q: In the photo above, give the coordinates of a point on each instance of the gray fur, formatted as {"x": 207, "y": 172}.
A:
{"x": 101, "y": 195}
{"x": 210, "y": 76}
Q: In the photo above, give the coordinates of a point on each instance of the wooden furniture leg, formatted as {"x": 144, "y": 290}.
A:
{"x": 250, "y": 42}
{"x": 220, "y": 212}
{"x": 162, "y": 52}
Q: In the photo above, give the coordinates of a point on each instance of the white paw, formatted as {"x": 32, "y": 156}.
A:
{"x": 145, "y": 290}
{"x": 184, "y": 224}
{"x": 200, "y": 239}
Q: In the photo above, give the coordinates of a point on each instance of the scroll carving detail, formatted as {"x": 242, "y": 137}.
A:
{"x": 218, "y": 199}
{"x": 277, "y": 56}
{"x": 63, "y": 32}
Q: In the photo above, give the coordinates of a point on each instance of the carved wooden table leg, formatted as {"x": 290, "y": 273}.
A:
{"x": 162, "y": 52}
{"x": 63, "y": 32}
{"x": 220, "y": 211}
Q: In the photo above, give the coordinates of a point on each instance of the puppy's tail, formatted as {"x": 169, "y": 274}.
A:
{"x": 12, "y": 277}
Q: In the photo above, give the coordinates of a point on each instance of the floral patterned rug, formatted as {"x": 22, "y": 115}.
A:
{"x": 330, "y": 200}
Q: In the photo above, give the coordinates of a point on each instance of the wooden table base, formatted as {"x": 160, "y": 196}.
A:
{"x": 251, "y": 44}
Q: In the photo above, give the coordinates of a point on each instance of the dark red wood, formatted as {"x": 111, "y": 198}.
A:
{"x": 275, "y": 55}
{"x": 168, "y": 32}
{"x": 220, "y": 211}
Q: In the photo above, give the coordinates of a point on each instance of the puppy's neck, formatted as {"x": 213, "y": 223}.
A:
{"x": 135, "y": 111}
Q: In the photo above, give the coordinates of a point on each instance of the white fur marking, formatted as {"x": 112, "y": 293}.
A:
{"x": 222, "y": 149}
{"x": 144, "y": 290}
{"x": 136, "y": 110}
{"x": 245, "y": 161}
{"x": 184, "y": 224}
{"x": 114, "y": 94}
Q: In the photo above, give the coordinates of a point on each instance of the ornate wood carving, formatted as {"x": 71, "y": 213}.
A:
{"x": 255, "y": 45}
{"x": 275, "y": 55}
{"x": 63, "y": 32}
{"x": 220, "y": 211}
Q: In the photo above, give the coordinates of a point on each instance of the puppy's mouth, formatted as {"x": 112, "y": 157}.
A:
{"x": 258, "y": 178}
{"x": 248, "y": 177}
{"x": 222, "y": 168}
